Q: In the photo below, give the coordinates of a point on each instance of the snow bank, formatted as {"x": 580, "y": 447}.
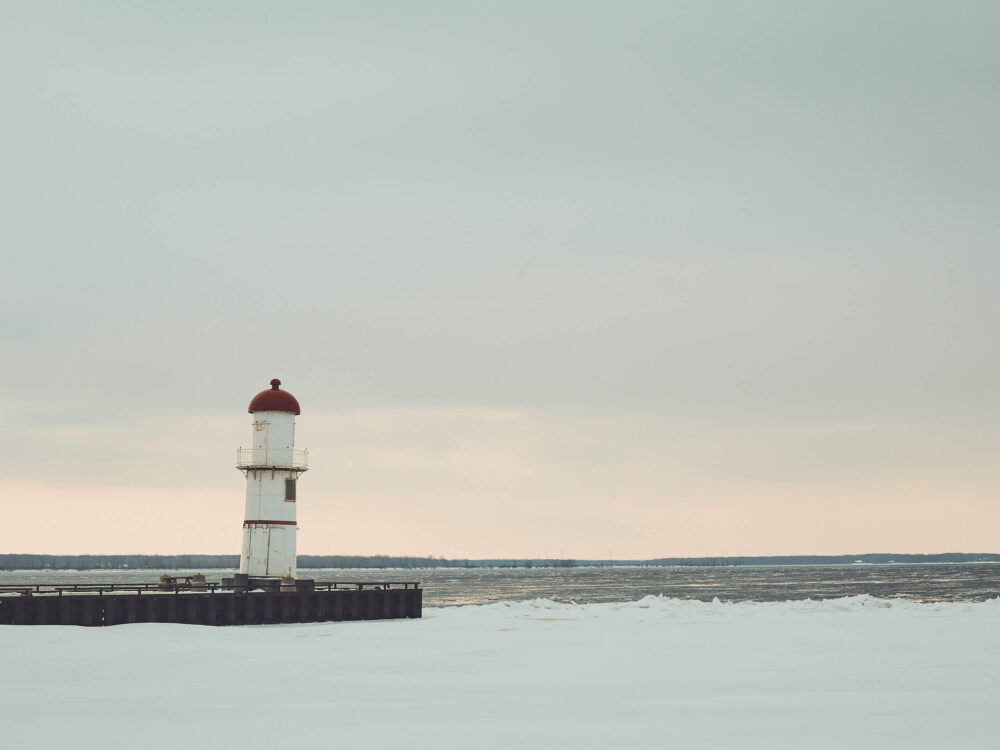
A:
{"x": 857, "y": 672}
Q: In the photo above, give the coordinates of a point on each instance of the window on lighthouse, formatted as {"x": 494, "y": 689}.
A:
{"x": 289, "y": 490}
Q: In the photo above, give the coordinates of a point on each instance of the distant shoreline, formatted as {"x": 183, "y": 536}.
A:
{"x": 231, "y": 562}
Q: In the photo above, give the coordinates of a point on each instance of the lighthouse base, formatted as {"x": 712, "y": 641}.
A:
{"x": 242, "y": 583}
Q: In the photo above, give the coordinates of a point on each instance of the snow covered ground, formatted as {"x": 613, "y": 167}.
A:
{"x": 658, "y": 673}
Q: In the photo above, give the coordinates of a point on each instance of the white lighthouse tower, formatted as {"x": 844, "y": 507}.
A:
{"x": 272, "y": 468}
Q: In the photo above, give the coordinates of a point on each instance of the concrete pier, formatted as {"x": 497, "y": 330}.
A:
{"x": 338, "y": 602}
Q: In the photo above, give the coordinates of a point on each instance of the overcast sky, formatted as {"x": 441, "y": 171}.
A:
{"x": 568, "y": 279}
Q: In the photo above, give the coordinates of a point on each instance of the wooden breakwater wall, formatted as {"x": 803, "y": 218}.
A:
{"x": 211, "y": 608}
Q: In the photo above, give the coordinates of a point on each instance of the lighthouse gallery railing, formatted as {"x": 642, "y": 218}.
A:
{"x": 277, "y": 458}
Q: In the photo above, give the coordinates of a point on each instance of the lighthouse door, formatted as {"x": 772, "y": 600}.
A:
{"x": 258, "y": 541}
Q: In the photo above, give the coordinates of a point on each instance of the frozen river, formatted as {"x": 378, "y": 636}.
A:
{"x": 968, "y": 582}
{"x": 858, "y": 673}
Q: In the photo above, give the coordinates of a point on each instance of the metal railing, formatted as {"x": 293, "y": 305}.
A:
{"x": 364, "y": 585}
{"x": 58, "y": 589}
{"x": 274, "y": 458}
{"x": 182, "y": 584}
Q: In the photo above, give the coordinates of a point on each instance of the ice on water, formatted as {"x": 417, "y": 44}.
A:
{"x": 857, "y": 672}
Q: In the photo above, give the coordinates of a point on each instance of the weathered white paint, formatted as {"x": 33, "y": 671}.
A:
{"x": 273, "y": 438}
{"x": 269, "y": 548}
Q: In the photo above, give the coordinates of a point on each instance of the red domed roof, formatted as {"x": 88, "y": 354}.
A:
{"x": 274, "y": 400}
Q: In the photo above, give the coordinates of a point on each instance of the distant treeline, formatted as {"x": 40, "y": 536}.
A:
{"x": 117, "y": 562}
{"x": 231, "y": 562}
{"x": 871, "y": 558}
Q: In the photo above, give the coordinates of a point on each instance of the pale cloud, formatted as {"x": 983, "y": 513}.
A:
{"x": 470, "y": 482}
{"x": 713, "y": 519}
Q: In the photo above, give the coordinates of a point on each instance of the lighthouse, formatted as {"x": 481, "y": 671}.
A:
{"x": 272, "y": 467}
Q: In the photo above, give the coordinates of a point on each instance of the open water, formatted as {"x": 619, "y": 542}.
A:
{"x": 939, "y": 582}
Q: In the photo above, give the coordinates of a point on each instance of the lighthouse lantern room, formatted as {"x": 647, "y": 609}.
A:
{"x": 272, "y": 468}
